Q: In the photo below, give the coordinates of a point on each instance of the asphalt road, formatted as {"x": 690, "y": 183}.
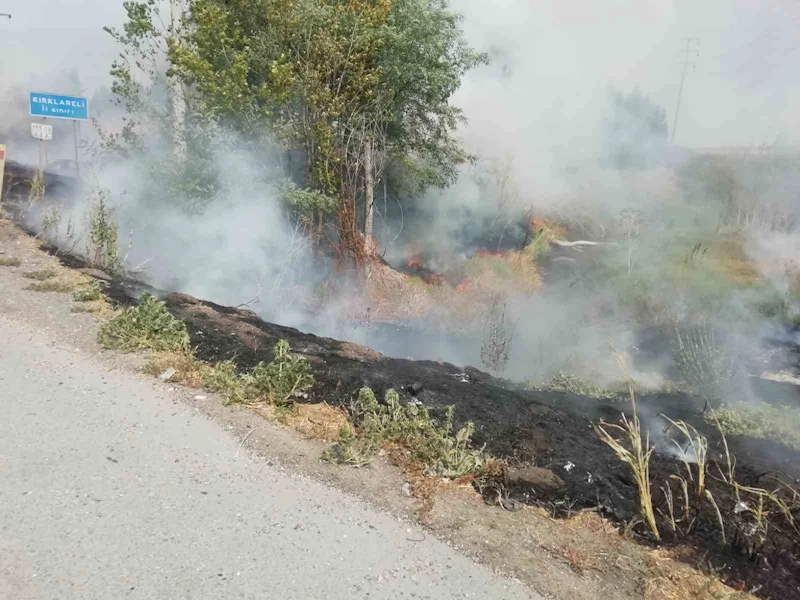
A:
{"x": 109, "y": 490}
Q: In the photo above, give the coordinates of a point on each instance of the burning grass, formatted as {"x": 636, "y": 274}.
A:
{"x": 392, "y": 295}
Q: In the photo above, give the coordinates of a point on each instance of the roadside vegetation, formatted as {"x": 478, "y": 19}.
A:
{"x": 759, "y": 421}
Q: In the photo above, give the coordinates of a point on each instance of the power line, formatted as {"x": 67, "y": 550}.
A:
{"x": 688, "y": 50}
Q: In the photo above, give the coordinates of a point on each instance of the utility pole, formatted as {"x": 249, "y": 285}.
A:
{"x": 688, "y": 50}
{"x": 176, "y": 90}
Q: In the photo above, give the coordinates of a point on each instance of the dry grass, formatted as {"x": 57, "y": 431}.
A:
{"x": 188, "y": 371}
{"x": 667, "y": 579}
{"x": 52, "y": 285}
{"x": 315, "y": 421}
{"x": 10, "y": 262}
{"x": 90, "y": 307}
{"x": 633, "y": 450}
{"x": 41, "y": 275}
{"x": 580, "y": 560}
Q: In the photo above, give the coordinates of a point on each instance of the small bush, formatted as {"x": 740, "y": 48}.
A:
{"x": 88, "y": 293}
{"x": 42, "y": 275}
{"x": 410, "y": 426}
{"x": 277, "y": 382}
{"x": 147, "y": 326}
{"x": 282, "y": 379}
{"x": 102, "y": 249}
{"x": 760, "y": 421}
{"x": 223, "y": 379}
{"x": 10, "y": 262}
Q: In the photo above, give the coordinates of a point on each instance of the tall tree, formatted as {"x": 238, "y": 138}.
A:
{"x": 351, "y": 85}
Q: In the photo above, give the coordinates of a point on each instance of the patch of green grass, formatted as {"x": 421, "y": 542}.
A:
{"x": 10, "y": 262}
{"x": 410, "y": 426}
{"x": 88, "y": 293}
{"x": 52, "y": 285}
{"x": 42, "y": 275}
{"x": 760, "y": 421}
{"x": 572, "y": 384}
{"x": 146, "y": 326}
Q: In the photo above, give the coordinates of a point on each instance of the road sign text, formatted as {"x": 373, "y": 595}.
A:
{"x": 56, "y": 106}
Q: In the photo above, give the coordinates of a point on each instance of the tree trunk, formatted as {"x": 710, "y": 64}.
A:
{"x": 177, "y": 99}
{"x": 369, "y": 192}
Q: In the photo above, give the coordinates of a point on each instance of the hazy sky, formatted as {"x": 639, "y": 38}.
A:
{"x": 745, "y": 88}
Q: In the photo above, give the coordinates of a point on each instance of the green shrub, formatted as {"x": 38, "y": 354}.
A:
{"x": 223, "y": 379}
{"x": 411, "y": 426}
{"x": 277, "y": 382}
{"x": 760, "y": 421}
{"x": 282, "y": 379}
{"x": 88, "y": 293}
{"x": 147, "y": 326}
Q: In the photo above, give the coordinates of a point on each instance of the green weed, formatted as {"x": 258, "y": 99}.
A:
{"x": 410, "y": 426}
{"x": 88, "y": 293}
{"x": 223, "y": 379}
{"x": 277, "y": 382}
{"x": 147, "y": 326}
{"x": 10, "y": 262}
{"x": 572, "y": 384}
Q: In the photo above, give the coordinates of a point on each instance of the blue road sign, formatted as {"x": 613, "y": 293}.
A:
{"x": 56, "y": 106}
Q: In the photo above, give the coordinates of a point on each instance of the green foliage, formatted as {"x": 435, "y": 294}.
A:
{"x": 410, "y": 426}
{"x": 88, "y": 293}
{"x": 285, "y": 377}
{"x": 305, "y": 201}
{"x": 101, "y": 248}
{"x": 759, "y": 420}
{"x": 328, "y": 77}
{"x": 572, "y": 384}
{"x": 277, "y": 382}
{"x": 146, "y": 326}
{"x": 223, "y": 379}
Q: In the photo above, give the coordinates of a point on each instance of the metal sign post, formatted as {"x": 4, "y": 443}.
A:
{"x": 75, "y": 139}
{"x": 43, "y": 133}
{"x": 2, "y": 168}
{"x": 58, "y": 106}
